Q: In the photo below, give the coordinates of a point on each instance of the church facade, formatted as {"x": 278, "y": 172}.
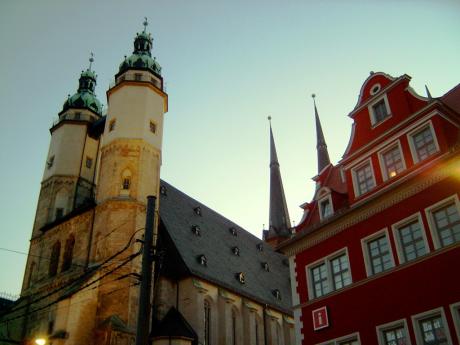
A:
{"x": 374, "y": 259}
{"x": 214, "y": 283}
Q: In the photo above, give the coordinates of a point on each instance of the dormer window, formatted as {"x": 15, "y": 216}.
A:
{"x": 197, "y": 210}
{"x": 240, "y": 277}
{"x": 379, "y": 110}
{"x": 196, "y": 230}
{"x": 260, "y": 247}
{"x": 277, "y": 294}
{"x": 265, "y": 266}
{"x": 202, "y": 260}
{"x": 233, "y": 231}
{"x": 163, "y": 190}
{"x": 236, "y": 251}
{"x": 325, "y": 207}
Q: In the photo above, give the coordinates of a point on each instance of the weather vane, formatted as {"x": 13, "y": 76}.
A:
{"x": 91, "y": 60}
{"x": 145, "y": 23}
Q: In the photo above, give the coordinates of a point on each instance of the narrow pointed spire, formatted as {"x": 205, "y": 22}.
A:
{"x": 428, "y": 94}
{"x": 279, "y": 222}
{"x": 321, "y": 147}
{"x": 91, "y": 60}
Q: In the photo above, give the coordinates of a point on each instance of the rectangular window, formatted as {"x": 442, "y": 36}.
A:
{"x": 423, "y": 144}
{"x": 319, "y": 279}
{"x": 447, "y": 223}
{"x": 455, "y": 310}
{"x": 379, "y": 254}
{"x": 411, "y": 240}
{"x": 352, "y": 339}
{"x": 380, "y": 111}
{"x": 392, "y": 162}
{"x": 340, "y": 272}
{"x": 364, "y": 178}
{"x": 330, "y": 274}
{"x": 395, "y": 336}
{"x": 137, "y": 77}
{"x": 348, "y": 342}
{"x": 89, "y": 162}
{"x": 432, "y": 331}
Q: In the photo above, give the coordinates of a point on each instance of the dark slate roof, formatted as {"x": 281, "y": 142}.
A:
{"x": 174, "y": 325}
{"x": 178, "y": 215}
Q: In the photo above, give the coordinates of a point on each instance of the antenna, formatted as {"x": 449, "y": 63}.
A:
{"x": 91, "y": 60}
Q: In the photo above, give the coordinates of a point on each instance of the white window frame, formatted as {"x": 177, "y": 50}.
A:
{"x": 410, "y": 139}
{"x": 395, "y": 229}
{"x": 355, "y": 179}
{"x": 337, "y": 341}
{"x": 320, "y": 201}
{"x": 364, "y": 246}
{"x": 390, "y": 325}
{"x": 455, "y": 312}
{"x": 370, "y": 108}
{"x": 433, "y": 312}
{"x": 382, "y": 152}
{"x": 429, "y": 216}
{"x": 327, "y": 261}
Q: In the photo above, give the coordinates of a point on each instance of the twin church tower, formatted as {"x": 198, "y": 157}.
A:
{"x": 81, "y": 232}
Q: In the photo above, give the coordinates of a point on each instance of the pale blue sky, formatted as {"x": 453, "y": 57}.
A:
{"x": 227, "y": 65}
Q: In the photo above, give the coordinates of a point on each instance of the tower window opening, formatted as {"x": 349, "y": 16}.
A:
{"x": 77, "y": 116}
{"x": 126, "y": 183}
{"x": 112, "y": 125}
{"x": 153, "y": 127}
{"x": 59, "y": 213}
{"x": 50, "y": 162}
{"x": 89, "y": 162}
{"x": 137, "y": 77}
{"x": 54, "y": 259}
{"x": 68, "y": 253}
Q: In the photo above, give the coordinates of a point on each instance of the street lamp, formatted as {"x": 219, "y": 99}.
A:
{"x": 40, "y": 341}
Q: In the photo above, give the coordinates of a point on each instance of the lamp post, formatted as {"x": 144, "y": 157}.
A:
{"x": 40, "y": 341}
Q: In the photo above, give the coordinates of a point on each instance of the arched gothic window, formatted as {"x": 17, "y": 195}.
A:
{"x": 234, "y": 327}
{"x": 207, "y": 323}
{"x": 54, "y": 259}
{"x": 60, "y": 203}
{"x": 31, "y": 272}
{"x": 68, "y": 253}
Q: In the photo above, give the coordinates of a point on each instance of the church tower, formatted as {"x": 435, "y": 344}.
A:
{"x": 68, "y": 179}
{"x": 130, "y": 160}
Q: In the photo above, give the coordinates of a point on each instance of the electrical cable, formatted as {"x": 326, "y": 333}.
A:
{"x": 82, "y": 277}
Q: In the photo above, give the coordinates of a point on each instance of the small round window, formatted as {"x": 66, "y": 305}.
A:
{"x": 376, "y": 88}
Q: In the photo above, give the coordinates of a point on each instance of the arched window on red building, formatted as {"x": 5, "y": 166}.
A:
{"x": 68, "y": 253}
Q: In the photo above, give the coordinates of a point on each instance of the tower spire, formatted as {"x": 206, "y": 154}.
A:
{"x": 428, "y": 93}
{"x": 321, "y": 147}
{"x": 279, "y": 222}
{"x": 91, "y": 60}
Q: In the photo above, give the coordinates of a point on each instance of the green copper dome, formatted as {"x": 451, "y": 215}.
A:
{"x": 142, "y": 55}
{"x": 85, "y": 98}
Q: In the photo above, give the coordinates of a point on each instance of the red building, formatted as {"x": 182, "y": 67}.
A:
{"x": 376, "y": 256}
